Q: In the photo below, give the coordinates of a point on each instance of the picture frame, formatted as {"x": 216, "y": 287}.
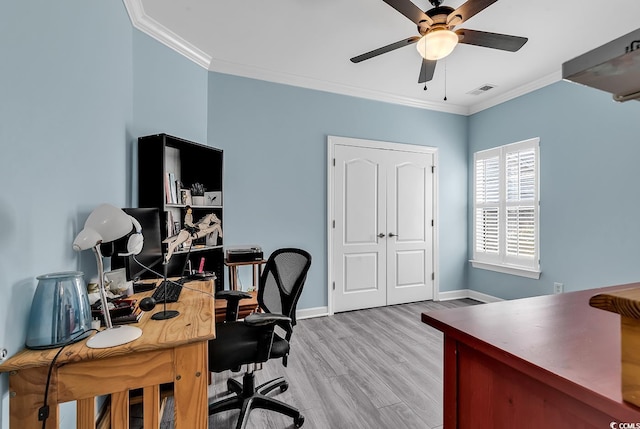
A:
{"x": 213, "y": 198}
{"x": 185, "y": 197}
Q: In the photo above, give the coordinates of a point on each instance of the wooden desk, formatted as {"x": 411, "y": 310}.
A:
{"x": 169, "y": 351}
{"x": 233, "y": 272}
{"x": 544, "y": 362}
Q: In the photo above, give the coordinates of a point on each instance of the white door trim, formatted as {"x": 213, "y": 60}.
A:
{"x": 332, "y": 141}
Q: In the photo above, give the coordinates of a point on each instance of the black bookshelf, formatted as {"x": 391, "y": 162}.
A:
{"x": 167, "y": 165}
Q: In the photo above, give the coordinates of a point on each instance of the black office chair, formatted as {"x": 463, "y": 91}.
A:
{"x": 255, "y": 340}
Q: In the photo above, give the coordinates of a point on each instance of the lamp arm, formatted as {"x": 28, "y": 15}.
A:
{"x": 103, "y": 293}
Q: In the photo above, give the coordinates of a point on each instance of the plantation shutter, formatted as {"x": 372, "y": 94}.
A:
{"x": 521, "y": 205}
{"x": 506, "y": 208}
{"x": 487, "y": 231}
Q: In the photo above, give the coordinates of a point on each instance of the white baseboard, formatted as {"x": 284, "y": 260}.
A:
{"x": 307, "y": 313}
{"x": 467, "y": 293}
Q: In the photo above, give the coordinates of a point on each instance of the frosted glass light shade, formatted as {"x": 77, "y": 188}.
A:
{"x": 437, "y": 44}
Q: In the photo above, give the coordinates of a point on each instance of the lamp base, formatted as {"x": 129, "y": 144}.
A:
{"x": 164, "y": 315}
{"x": 115, "y": 336}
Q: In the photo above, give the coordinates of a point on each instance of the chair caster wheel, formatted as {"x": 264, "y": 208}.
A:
{"x": 284, "y": 387}
{"x": 299, "y": 421}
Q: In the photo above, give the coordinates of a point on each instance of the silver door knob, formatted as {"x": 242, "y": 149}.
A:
{"x": 381, "y": 235}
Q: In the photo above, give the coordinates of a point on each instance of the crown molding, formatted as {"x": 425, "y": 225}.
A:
{"x": 154, "y": 29}
{"x": 162, "y": 34}
{"x": 235, "y": 69}
{"x": 141, "y": 21}
{"x": 517, "y": 92}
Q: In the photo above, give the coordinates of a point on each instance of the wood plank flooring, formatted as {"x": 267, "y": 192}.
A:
{"x": 372, "y": 369}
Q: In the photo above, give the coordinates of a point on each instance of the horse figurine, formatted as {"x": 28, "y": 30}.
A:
{"x": 209, "y": 225}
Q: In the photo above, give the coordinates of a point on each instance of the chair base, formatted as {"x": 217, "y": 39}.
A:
{"x": 247, "y": 397}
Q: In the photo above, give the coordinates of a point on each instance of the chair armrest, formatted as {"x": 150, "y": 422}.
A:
{"x": 233, "y": 298}
{"x": 263, "y": 319}
{"x": 232, "y": 294}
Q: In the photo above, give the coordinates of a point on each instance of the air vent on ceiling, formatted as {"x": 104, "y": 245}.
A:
{"x": 481, "y": 90}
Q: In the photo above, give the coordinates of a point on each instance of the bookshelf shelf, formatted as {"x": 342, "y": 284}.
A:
{"x": 168, "y": 167}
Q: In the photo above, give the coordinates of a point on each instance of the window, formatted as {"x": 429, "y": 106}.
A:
{"x": 506, "y": 209}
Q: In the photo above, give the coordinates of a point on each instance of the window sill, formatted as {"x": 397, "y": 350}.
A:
{"x": 507, "y": 269}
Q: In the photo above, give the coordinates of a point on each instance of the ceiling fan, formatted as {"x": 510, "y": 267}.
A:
{"x": 437, "y": 38}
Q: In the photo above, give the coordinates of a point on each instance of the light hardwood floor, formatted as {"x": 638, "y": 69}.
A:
{"x": 373, "y": 369}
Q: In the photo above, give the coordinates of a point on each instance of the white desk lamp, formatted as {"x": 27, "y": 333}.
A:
{"x": 106, "y": 224}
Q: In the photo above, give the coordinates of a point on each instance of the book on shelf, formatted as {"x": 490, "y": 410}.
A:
{"x": 167, "y": 188}
{"x": 174, "y": 190}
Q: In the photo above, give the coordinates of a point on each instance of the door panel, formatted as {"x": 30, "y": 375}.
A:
{"x": 410, "y": 203}
{"x": 359, "y": 254}
{"x": 361, "y": 177}
{"x": 411, "y": 268}
{"x": 410, "y": 212}
{"x": 360, "y": 271}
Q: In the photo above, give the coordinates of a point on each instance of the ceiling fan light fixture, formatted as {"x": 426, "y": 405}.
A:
{"x": 437, "y": 44}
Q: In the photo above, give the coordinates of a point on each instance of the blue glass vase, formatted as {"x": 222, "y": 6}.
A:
{"x": 60, "y": 311}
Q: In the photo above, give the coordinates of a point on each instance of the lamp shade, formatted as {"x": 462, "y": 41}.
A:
{"x": 437, "y": 44}
{"x": 105, "y": 224}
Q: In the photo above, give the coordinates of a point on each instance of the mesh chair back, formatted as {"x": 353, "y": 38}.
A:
{"x": 282, "y": 280}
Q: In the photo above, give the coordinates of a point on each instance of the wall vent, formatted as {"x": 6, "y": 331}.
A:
{"x": 482, "y": 89}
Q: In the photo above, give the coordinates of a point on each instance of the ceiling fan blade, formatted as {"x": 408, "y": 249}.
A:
{"x": 491, "y": 40}
{"x": 426, "y": 71}
{"x": 385, "y": 49}
{"x": 467, "y": 10}
{"x": 410, "y": 10}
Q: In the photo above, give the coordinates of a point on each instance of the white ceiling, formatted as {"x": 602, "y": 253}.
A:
{"x": 308, "y": 43}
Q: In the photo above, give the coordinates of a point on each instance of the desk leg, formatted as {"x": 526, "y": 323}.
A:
{"x": 190, "y": 386}
{"x": 255, "y": 277}
{"x": 26, "y": 388}
{"x": 233, "y": 278}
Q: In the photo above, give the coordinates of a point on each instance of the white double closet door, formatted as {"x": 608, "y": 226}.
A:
{"x": 382, "y": 241}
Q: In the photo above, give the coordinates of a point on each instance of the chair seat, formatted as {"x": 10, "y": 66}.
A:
{"x": 236, "y": 345}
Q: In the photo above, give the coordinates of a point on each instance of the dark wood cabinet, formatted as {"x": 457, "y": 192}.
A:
{"x": 167, "y": 167}
{"x": 544, "y": 362}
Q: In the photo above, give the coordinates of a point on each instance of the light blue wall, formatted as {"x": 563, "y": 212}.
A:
{"x": 275, "y": 142}
{"x": 169, "y": 96}
{"x": 170, "y": 91}
{"x": 65, "y": 113}
{"x": 589, "y": 180}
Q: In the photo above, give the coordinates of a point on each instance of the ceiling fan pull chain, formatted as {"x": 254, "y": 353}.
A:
{"x": 425, "y": 50}
{"x": 445, "y": 80}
